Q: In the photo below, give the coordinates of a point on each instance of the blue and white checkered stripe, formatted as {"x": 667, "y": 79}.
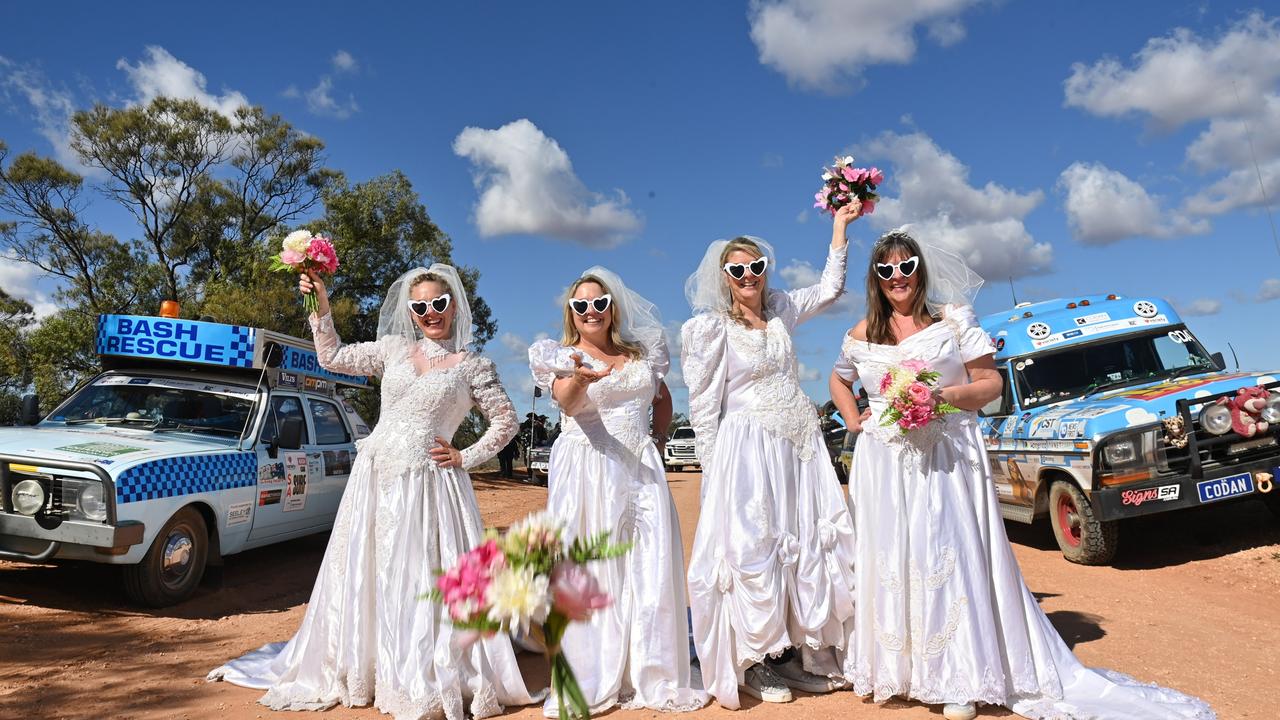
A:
{"x": 176, "y": 476}
{"x": 240, "y": 351}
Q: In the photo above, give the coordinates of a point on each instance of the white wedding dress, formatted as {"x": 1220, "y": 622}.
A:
{"x": 772, "y": 563}
{"x": 606, "y": 474}
{"x": 943, "y": 615}
{"x": 368, "y": 636}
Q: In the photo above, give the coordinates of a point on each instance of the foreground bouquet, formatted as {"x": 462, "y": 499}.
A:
{"x": 302, "y": 252}
{"x": 910, "y": 391}
{"x": 527, "y": 580}
{"x": 843, "y": 182}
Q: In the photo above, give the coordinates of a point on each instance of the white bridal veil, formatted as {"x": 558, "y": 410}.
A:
{"x": 638, "y": 319}
{"x": 395, "y": 318}
{"x": 706, "y": 290}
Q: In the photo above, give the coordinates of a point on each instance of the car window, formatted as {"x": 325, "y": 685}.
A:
{"x": 283, "y": 406}
{"x": 682, "y": 434}
{"x": 330, "y": 430}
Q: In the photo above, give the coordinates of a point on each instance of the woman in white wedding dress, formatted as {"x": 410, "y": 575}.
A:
{"x": 606, "y": 474}
{"x": 772, "y": 563}
{"x": 943, "y": 615}
{"x": 368, "y": 636}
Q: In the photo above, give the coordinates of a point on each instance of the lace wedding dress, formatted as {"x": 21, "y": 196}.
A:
{"x": 606, "y": 474}
{"x": 943, "y": 614}
{"x": 772, "y": 563}
{"x": 368, "y": 636}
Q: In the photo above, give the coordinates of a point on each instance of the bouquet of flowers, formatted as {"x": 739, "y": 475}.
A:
{"x": 303, "y": 252}
{"x": 528, "y": 580}
{"x": 843, "y": 182}
{"x": 909, "y": 389}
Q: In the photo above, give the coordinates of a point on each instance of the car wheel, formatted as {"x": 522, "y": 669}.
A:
{"x": 171, "y": 570}
{"x": 1082, "y": 537}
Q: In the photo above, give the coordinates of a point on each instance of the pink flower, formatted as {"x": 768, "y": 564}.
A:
{"x": 915, "y": 367}
{"x": 885, "y": 382}
{"x": 862, "y": 174}
{"x": 844, "y": 188}
{"x": 868, "y": 207}
{"x": 875, "y": 176}
{"x": 575, "y": 592}
{"x": 919, "y": 394}
{"x": 849, "y": 174}
{"x": 321, "y": 251}
{"x": 464, "y": 586}
{"x": 916, "y": 417}
{"x": 292, "y": 257}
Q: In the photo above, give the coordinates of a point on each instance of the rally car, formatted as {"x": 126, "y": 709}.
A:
{"x": 1113, "y": 409}
{"x": 199, "y": 440}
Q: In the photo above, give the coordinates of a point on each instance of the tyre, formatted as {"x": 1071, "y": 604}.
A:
{"x": 171, "y": 570}
{"x": 1082, "y": 537}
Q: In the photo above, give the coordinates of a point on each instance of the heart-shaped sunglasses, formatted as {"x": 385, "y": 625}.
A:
{"x": 907, "y": 268}
{"x": 421, "y": 307}
{"x": 737, "y": 271}
{"x": 599, "y": 304}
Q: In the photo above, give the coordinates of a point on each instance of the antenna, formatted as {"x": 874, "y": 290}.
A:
{"x": 1266, "y": 202}
{"x": 1013, "y": 292}
{"x": 1234, "y": 359}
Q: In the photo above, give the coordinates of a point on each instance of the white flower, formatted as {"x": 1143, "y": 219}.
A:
{"x": 538, "y": 522}
{"x": 297, "y": 241}
{"x": 848, "y": 160}
{"x": 518, "y": 598}
{"x": 827, "y": 176}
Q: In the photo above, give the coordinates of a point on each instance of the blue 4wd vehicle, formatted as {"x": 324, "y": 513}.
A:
{"x": 200, "y": 440}
{"x": 1112, "y": 410}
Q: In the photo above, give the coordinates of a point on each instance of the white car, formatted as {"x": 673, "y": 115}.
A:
{"x": 200, "y": 440}
{"x": 681, "y": 453}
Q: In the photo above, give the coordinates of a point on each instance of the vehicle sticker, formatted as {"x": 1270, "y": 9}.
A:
{"x": 239, "y": 513}
{"x": 269, "y": 497}
{"x": 1019, "y": 366}
{"x": 1163, "y": 493}
{"x": 210, "y": 387}
{"x": 295, "y": 468}
{"x": 1181, "y": 337}
{"x": 1096, "y": 412}
{"x": 1071, "y": 429}
{"x": 337, "y": 462}
{"x": 139, "y": 381}
{"x": 271, "y": 474}
{"x": 1045, "y": 339}
{"x": 100, "y": 449}
{"x": 1094, "y": 318}
{"x": 287, "y": 379}
{"x": 1173, "y": 386}
{"x": 1145, "y": 308}
{"x": 1223, "y": 488}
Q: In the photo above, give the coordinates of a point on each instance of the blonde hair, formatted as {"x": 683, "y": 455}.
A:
{"x": 748, "y": 246}
{"x": 571, "y": 335}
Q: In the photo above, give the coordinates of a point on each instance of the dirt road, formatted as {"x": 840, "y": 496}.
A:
{"x": 1190, "y": 603}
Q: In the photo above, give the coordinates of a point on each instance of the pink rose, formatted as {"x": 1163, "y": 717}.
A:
{"x": 868, "y": 207}
{"x": 919, "y": 394}
{"x": 575, "y": 592}
{"x": 321, "y": 251}
{"x": 915, "y": 367}
{"x": 875, "y": 176}
{"x": 292, "y": 257}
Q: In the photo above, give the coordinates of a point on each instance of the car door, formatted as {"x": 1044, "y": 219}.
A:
{"x": 329, "y": 456}
{"x": 278, "y": 475}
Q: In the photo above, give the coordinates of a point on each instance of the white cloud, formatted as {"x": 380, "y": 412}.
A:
{"x": 825, "y": 44}
{"x": 160, "y": 74}
{"x": 1200, "y": 307}
{"x": 938, "y": 204}
{"x": 344, "y": 61}
{"x": 1104, "y": 206}
{"x": 528, "y": 187}
{"x": 1182, "y": 77}
{"x": 21, "y": 280}
{"x": 807, "y": 374}
{"x": 51, "y": 107}
{"x": 802, "y": 273}
{"x": 1270, "y": 290}
{"x": 320, "y": 101}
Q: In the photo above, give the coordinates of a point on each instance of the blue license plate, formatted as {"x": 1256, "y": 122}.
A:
{"x": 1223, "y": 488}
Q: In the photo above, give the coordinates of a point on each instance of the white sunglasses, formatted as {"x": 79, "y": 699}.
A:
{"x": 737, "y": 271}
{"x": 599, "y": 304}
{"x": 421, "y": 307}
{"x": 907, "y": 268}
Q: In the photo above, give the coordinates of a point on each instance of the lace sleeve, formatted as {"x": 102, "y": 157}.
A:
{"x": 702, "y": 345}
{"x": 489, "y": 395}
{"x": 365, "y": 358}
{"x": 549, "y": 360}
{"x": 972, "y": 340}
{"x": 814, "y": 299}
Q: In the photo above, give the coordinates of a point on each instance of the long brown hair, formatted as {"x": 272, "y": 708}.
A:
{"x": 571, "y": 335}
{"x": 750, "y": 247}
{"x": 879, "y": 311}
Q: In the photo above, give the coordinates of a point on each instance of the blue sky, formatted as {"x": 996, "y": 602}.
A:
{"x": 1079, "y": 148}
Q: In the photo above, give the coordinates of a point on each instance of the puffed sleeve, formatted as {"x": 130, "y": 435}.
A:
{"x": 972, "y": 339}
{"x": 702, "y": 348}
{"x": 491, "y": 398}
{"x": 810, "y": 301}
{"x": 845, "y": 368}
{"x": 659, "y": 359}
{"x": 364, "y": 358}
{"x": 549, "y": 360}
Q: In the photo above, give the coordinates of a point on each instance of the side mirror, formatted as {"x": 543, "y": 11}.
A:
{"x": 290, "y": 437}
{"x": 1219, "y": 360}
{"x": 30, "y": 410}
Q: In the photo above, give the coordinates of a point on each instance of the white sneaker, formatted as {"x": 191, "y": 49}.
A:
{"x": 764, "y": 685}
{"x": 954, "y": 711}
{"x": 793, "y": 674}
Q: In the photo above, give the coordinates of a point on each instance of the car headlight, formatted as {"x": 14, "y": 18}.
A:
{"x": 1216, "y": 419}
{"x": 91, "y": 503}
{"x": 1271, "y": 413}
{"x": 1121, "y": 452}
{"x": 28, "y": 497}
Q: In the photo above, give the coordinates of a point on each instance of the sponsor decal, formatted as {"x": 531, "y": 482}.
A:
{"x": 1223, "y": 488}
{"x": 337, "y": 462}
{"x": 296, "y": 481}
{"x": 1072, "y": 334}
{"x": 1181, "y": 337}
{"x": 271, "y": 474}
{"x": 239, "y": 513}
{"x": 269, "y": 497}
{"x": 287, "y": 379}
{"x": 174, "y": 339}
{"x": 100, "y": 449}
{"x": 1172, "y": 387}
{"x": 1045, "y": 339}
{"x": 305, "y": 362}
{"x": 1094, "y": 318}
{"x": 1163, "y": 493}
{"x": 1071, "y": 429}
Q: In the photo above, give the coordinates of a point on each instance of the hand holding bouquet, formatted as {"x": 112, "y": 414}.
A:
{"x": 528, "y": 580}
{"x": 304, "y": 253}
{"x": 843, "y": 183}
{"x": 910, "y": 390}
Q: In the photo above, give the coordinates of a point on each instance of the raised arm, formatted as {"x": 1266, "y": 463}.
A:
{"x": 810, "y": 301}
{"x": 364, "y": 358}
{"x": 494, "y": 404}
